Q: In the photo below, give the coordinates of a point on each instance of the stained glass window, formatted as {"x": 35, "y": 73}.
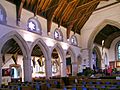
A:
{"x": 34, "y": 25}
{"x": 118, "y": 51}
{"x": 73, "y": 40}
{"x": 2, "y": 15}
{"x": 58, "y": 34}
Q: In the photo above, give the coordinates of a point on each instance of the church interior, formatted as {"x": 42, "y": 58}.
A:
{"x": 59, "y": 45}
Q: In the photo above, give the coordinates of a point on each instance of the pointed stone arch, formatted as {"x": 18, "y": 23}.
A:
{"x": 99, "y": 28}
{"x": 45, "y": 50}
{"x": 72, "y": 54}
{"x": 60, "y": 50}
{"x": 96, "y": 31}
{"x": 73, "y": 66}
{"x": 97, "y": 50}
{"x": 42, "y": 46}
{"x": 25, "y": 51}
{"x": 61, "y": 55}
{"x": 18, "y": 38}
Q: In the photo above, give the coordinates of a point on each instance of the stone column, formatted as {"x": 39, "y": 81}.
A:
{"x": 48, "y": 65}
{"x": 27, "y": 68}
{"x": 74, "y": 66}
{"x": 0, "y": 70}
{"x": 63, "y": 65}
{"x": 73, "y": 63}
{"x": 86, "y": 57}
{"x": 48, "y": 68}
{"x": 91, "y": 58}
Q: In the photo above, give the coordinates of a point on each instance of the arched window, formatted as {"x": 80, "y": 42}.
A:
{"x": 73, "y": 40}
{"x": 34, "y": 25}
{"x": 2, "y": 15}
{"x": 58, "y": 34}
{"x": 118, "y": 50}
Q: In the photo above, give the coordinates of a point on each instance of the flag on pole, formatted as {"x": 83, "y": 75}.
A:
{"x": 56, "y": 61}
{"x": 33, "y": 60}
{"x": 40, "y": 62}
{"x": 14, "y": 57}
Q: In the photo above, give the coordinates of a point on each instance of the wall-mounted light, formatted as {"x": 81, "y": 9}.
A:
{"x": 68, "y": 40}
{"x": 49, "y": 33}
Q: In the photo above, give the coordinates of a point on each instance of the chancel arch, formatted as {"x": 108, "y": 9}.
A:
{"x": 39, "y": 52}
{"x": 14, "y": 52}
{"x": 108, "y": 38}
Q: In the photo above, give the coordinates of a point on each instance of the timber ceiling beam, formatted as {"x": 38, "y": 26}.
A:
{"x": 64, "y": 11}
{"x": 80, "y": 10}
{"x": 86, "y": 5}
{"x": 81, "y": 7}
{"x": 50, "y": 16}
{"x": 85, "y": 16}
{"x": 76, "y": 15}
{"x": 19, "y": 11}
{"x": 36, "y": 9}
{"x": 27, "y": 3}
{"x": 41, "y": 10}
{"x": 69, "y": 27}
{"x": 32, "y": 5}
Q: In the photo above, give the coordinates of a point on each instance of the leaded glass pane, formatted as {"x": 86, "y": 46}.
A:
{"x": 118, "y": 51}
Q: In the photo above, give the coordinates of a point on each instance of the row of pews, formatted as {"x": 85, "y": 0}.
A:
{"x": 65, "y": 83}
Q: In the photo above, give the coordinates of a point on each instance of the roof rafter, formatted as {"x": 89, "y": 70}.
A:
{"x": 64, "y": 11}
{"x": 51, "y": 16}
{"x": 72, "y": 14}
{"x": 75, "y": 18}
{"x": 19, "y": 11}
{"x": 69, "y": 28}
{"x": 27, "y": 3}
{"x": 85, "y": 16}
{"x": 32, "y": 4}
{"x": 86, "y": 5}
{"x": 36, "y": 9}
